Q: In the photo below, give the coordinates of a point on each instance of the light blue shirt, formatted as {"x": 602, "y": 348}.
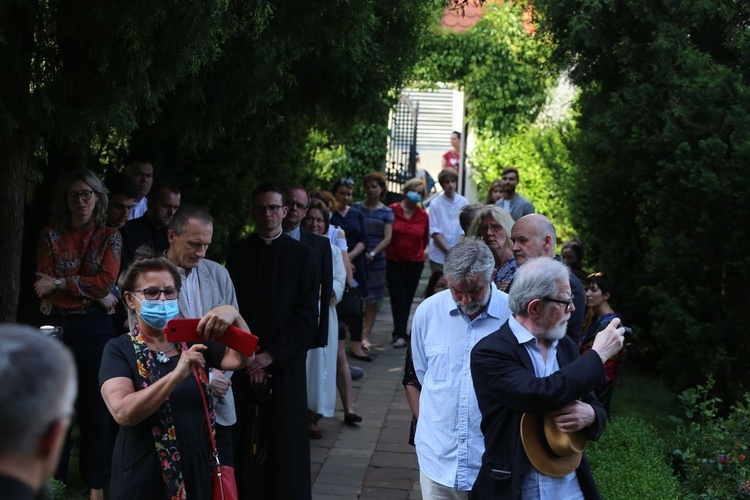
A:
{"x": 537, "y": 486}
{"x": 449, "y": 441}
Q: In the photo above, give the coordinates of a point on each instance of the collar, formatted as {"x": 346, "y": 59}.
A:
{"x": 524, "y": 336}
{"x": 492, "y": 309}
{"x": 295, "y": 233}
{"x": 268, "y": 241}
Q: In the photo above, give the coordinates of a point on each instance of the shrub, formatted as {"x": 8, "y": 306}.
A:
{"x": 630, "y": 461}
{"x": 711, "y": 450}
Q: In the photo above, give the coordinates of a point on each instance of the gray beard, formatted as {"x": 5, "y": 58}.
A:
{"x": 556, "y": 332}
{"x": 474, "y": 307}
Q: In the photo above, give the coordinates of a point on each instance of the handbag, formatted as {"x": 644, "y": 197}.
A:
{"x": 351, "y": 305}
{"x": 223, "y": 484}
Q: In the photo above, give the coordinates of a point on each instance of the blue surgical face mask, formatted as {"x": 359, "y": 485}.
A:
{"x": 157, "y": 312}
{"x": 414, "y": 197}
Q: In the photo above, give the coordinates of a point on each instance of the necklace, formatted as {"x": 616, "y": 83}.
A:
{"x": 161, "y": 356}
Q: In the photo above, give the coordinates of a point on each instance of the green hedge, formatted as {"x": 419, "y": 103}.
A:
{"x": 630, "y": 461}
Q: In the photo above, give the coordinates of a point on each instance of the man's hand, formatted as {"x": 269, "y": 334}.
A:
{"x": 215, "y": 322}
{"x": 108, "y": 303}
{"x": 574, "y": 417}
{"x": 609, "y": 341}
{"x": 220, "y": 384}
{"x": 258, "y": 362}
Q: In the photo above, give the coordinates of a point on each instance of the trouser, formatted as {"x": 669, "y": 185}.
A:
{"x": 86, "y": 335}
{"x": 434, "y": 266}
{"x": 403, "y": 280}
{"x": 436, "y": 491}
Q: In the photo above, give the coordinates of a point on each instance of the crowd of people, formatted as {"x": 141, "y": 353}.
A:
{"x": 498, "y": 341}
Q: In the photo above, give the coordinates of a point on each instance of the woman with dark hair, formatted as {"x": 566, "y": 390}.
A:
{"x": 352, "y": 222}
{"x": 379, "y": 222}
{"x": 572, "y": 254}
{"x": 78, "y": 259}
{"x": 437, "y": 283}
{"x": 153, "y": 388}
{"x": 405, "y": 255}
{"x": 599, "y": 289}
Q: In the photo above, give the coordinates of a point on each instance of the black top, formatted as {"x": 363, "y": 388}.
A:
{"x": 13, "y": 489}
{"x": 135, "y": 467}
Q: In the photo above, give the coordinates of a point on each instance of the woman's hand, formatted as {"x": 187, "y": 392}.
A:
{"x": 44, "y": 285}
{"x": 193, "y": 357}
{"x": 215, "y": 322}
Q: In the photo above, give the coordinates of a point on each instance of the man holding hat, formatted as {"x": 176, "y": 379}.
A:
{"x": 536, "y": 394}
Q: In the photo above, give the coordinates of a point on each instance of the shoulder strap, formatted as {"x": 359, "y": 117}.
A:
{"x": 214, "y": 451}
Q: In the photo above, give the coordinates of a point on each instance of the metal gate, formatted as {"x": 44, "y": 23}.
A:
{"x": 401, "y": 158}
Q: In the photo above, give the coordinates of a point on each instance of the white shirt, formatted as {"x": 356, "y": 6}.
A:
{"x": 444, "y": 220}
{"x": 139, "y": 209}
{"x": 449, "y": 440}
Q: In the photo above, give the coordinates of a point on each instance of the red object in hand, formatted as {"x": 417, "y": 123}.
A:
{"x": 185, "y": 330}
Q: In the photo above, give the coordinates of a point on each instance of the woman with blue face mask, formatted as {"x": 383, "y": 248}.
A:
{"x": 405, "y": 255}
{"x": 162, "y": 448}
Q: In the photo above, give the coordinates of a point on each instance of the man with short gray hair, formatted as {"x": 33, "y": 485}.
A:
{"x": 36, "y": 406}
{"x": 446, "y": 326}
{"x": 529, "y": 371}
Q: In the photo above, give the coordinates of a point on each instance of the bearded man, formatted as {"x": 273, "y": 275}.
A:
{"x": 446, "y": 326}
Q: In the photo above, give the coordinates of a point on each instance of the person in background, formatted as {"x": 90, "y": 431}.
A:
{"x": 494, "y": 192}
{"x": 435, "y": 284}
{"x": 323, "y": 363}
{"x": 513, "y": 203}
{"x": 405, "y": 255}
{"x": 78, "y": 260}
{"x": 352, "y": 222}
{"x": 155, "y": 390}
{"x": 467, "y": 214}
{"x": 452, "y": 157}
{"x": 122, "y": 192}
{"x": 379, "y": 222}
{"x": 493, "y": 225}
{"x": 445, "y": 229}
{"x": 36, "y": 407}
{"x": 572, "y": 254}
{"x": 599, "y": 289}
{"x": 141, "y": 170}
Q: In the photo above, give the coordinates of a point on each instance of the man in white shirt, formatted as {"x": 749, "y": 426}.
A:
{"x": 207, "y": 293}
{"x": 445, "y": 229}
{"x": 446, "y": 327}
{"x": 141, "y": 171}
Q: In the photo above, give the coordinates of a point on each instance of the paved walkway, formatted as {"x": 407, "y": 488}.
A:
{"x": 374, "y": 459}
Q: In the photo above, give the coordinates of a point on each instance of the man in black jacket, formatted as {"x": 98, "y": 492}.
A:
{"x": 531, "y": 366}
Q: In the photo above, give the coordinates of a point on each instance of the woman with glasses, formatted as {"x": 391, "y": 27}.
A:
{"x": 598, "y": 290}
{"x": 379, "y": 222}
{"x": 493, "y": 225}
{"x": 155, "y": 390}
{"x": 352, "y": 222}
{"x": 78, "y": 259}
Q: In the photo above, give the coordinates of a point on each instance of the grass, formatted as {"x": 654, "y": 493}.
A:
{"x": 644, "y": 397}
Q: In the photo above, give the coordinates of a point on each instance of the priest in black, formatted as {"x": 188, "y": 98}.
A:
{"x": 278, "y": 296}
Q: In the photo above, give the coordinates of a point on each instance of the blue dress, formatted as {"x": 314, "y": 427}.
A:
{"x": 375, "y": 221}
{"x": 354, "y": 226}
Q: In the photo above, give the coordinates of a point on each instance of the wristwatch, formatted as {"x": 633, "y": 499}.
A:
{"x": 372, "y": 254}
{"x": 58, "y": 282}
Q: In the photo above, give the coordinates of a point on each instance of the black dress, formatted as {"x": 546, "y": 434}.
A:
{"x": 135, "y": 468}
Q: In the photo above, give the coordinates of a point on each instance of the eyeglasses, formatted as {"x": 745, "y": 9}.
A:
{"x": 153, "y": 293}
{"x": 346, "y": 182}
{"x": 271, "y": 209}
{"x": 294, "y": 204}
{"x": 568, "y": 303}
{"x": 84, "y": 195}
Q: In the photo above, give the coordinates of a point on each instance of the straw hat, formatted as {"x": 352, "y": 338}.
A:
{"x": 550, "y": 451}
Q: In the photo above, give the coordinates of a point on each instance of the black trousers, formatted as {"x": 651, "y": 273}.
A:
{"x": 86, "y": 335}
{"x": 403, "y": 280}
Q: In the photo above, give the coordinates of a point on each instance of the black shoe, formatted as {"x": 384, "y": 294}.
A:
{"x": 352, "y": 418}
{"x": 365, "y": 357}
{"x": 357, "y": 372}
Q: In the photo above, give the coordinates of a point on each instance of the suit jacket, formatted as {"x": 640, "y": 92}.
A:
{"x": 321, "y": 247}
{"x": 506, "y": 387}
{"x": 138, "y": 232}
{"x": 216, "y": 289}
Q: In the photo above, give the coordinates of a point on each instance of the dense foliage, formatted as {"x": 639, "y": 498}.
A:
{"x": 661, "y": 192}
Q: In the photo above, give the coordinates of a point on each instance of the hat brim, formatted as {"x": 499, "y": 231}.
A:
{"x": 539, "y": 455}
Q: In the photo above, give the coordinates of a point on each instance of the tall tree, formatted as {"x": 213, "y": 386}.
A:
{"x": 74, "y": 71}
{"x": 662, "y": 194}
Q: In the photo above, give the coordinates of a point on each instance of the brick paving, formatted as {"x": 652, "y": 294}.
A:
{"x": 372, "y": 460}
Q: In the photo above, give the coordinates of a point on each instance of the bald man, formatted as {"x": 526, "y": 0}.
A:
{"x": 534, "y": 235}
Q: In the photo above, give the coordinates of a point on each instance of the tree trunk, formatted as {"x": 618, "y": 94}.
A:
{"x": 12, "y": 189}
